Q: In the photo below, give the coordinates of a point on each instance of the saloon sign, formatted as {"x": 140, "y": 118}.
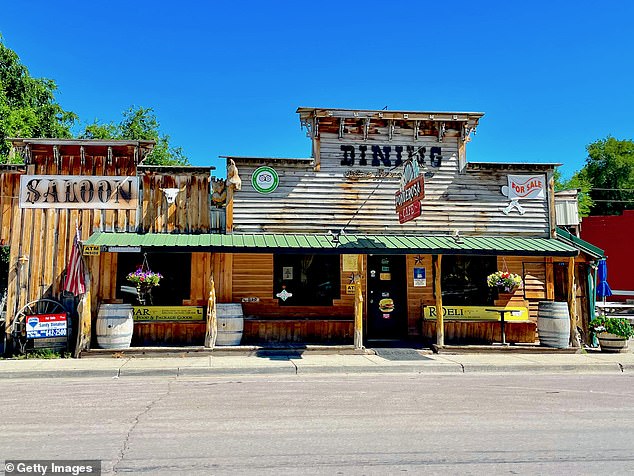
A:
{"x": 411, "y": 191}
{"x": 72, "y": 191}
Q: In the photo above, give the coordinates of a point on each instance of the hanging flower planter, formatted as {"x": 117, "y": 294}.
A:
{"x": 145, "y": 280}
{"x": 504, "y": 281}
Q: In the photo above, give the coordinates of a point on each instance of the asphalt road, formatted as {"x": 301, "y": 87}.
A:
{"x": 330, "y": 424}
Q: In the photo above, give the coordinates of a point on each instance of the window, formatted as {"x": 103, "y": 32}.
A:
{"x": 176, "y": 271}
{"x": 464, "y": 280}
{"x": 313, "y": 280}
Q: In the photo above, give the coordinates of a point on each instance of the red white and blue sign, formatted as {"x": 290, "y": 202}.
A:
{"x": 40, "y": 326}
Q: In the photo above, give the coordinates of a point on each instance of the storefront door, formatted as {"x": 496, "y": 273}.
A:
{"x": 387, "y": 297}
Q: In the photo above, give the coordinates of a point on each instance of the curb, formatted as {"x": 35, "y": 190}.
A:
{"x": 293, "y": 369}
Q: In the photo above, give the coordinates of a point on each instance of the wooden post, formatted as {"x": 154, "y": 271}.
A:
{"x": 358, "y": 306}
{"x": 550, "y": 279}
{"x": 572, "y": 303}
{"x": 440, "y": 325}
{"x": 211, "y": 331}
{"x": 85, "y": 319}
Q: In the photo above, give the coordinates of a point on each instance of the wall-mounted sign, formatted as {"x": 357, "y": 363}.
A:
{"x": 420, "y": 277}
{"x": 350, "y": 288}
{"x": 287, "y": 273}
{"x": 124, "y": 249}
{"x": 265, "y": 179}
{"x": 350, "y": 263}
{"x": 476, "y": 313}
{"x": 526, "y": 187}
{"x": 389, "y": 156}
{"x": 75, "y": 191}
{"x": 40, "y": 326}
{"x": 411, "y": 191}
{"x": 523, "y": 187}
{"x": 250, "y": 299}
{"x": 91, "y": 250}
{"x": 167, "y": 313}
{"x": 284, "y": 295}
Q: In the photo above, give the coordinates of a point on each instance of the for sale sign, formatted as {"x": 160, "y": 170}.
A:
{"x": 41, "y": 326}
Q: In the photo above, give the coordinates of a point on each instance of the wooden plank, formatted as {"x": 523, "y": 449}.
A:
{"x": 440, "y": 333}
{"x": 572, "y": 304}
{"x": 13, "y": 282}
{"x": 358, "y": 306}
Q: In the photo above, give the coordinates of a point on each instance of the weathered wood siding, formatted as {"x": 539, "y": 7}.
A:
{"x": 191, "y": 211}
{"x": 41, "y": 239}
{"x": 309, "y": 200}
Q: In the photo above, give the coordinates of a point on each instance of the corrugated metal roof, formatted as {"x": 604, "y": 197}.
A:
{"x": 588, "y": 248}
{"x": 293, "y": 243}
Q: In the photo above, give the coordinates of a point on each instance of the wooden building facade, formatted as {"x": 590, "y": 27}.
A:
{"x": 312, "y": 248}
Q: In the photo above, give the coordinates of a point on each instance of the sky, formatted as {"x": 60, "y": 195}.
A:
{"x": 225, "y": 78}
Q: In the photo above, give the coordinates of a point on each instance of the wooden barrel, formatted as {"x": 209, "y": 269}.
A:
{"x": 114, "y": 326}
{"x": 230, "y": 323}
{"x": 553, "y": 324}
{"x": 612, "y": 343}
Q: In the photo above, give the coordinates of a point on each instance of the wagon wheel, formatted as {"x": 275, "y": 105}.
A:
{"x": 17, "y": 328}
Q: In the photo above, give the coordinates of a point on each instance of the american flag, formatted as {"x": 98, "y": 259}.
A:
{"x": 74, "y": 282}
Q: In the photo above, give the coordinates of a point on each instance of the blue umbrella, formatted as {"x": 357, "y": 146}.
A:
{"x": 603, "y": 288}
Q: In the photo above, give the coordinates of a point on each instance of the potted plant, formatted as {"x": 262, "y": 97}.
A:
{"x": 144, "y": 280}
{"x": 504, "y": 281}
{"x": 612, "y": 332}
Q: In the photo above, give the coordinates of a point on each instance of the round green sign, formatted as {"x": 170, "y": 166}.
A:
{"x": 265, "y": 179}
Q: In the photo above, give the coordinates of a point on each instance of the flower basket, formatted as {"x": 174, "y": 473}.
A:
{"x": 504, "y": 281}
{"x": 613, "y": 333}
{"x": 145, "y": 281}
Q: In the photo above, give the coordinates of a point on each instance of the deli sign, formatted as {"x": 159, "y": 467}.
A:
{"x": 75, "y": 191}
{"x": 408, "y": 197}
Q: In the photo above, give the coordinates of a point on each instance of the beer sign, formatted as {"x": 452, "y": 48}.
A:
{"x": 412, "y": 190}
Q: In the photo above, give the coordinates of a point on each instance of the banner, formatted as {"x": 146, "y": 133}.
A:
{"x": 168, "y": 314}
{"x": 477, "y": 313}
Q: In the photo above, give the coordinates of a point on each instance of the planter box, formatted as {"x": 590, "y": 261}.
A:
{"x": 612, "y": 343}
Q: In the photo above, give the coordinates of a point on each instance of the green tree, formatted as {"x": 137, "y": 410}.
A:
{"x": 580, "y": 182}
{"x": 27, "y": 105}
{"x": 139, "y": 123}
{"x": 610, "y": 169}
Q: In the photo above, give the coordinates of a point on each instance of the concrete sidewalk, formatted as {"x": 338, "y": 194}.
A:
{"x": 299, "y": 362}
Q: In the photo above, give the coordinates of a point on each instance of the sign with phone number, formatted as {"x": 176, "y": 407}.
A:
{"x": 40, "y": 326}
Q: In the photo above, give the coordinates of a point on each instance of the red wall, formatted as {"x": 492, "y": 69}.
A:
{"x": 615, "y": 235}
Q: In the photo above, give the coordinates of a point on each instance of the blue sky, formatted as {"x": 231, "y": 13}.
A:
{"x": 225, "y": 78}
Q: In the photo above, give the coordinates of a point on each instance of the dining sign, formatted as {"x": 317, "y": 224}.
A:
{"x": 73, "y": 191}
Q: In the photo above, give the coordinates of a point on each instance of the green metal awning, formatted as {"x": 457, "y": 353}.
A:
{"x": 314, "y": 243}
{"x": 588, "y": 248}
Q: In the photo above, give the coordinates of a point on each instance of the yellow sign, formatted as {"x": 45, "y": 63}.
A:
{"x": 476, "y": 313}
{"x": 91, "y": 250}
{"x": 350, "y": 288}
{"x": 350, "y": 263}
{"x": 168, "y": 313}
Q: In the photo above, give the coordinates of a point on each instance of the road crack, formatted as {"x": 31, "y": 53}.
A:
{"x": 135, "y": 422}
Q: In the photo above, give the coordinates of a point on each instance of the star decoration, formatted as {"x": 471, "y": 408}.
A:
{"x": 418, "y": 259}
{"x": 284, "y": 295}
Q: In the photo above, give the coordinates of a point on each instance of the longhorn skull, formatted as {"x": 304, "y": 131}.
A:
{"x": 170, "y": 194}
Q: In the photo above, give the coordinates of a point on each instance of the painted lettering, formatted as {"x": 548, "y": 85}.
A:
{"x": 51, "y": 193}
{"x": 33, "y": 195}
{"x": 399, "y": 155}
{"x": 381, "y": 156}
{"x": 86, "y": 191}
{"x": 71, "y": 192}
{"x": 348, "y": 155}
{"x": 363, "y": 149}
{"x": 104, "y": 190}
{"x": 435, "y": 157}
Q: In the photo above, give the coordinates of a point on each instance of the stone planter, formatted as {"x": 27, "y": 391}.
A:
{"x": 612, "y": 343}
